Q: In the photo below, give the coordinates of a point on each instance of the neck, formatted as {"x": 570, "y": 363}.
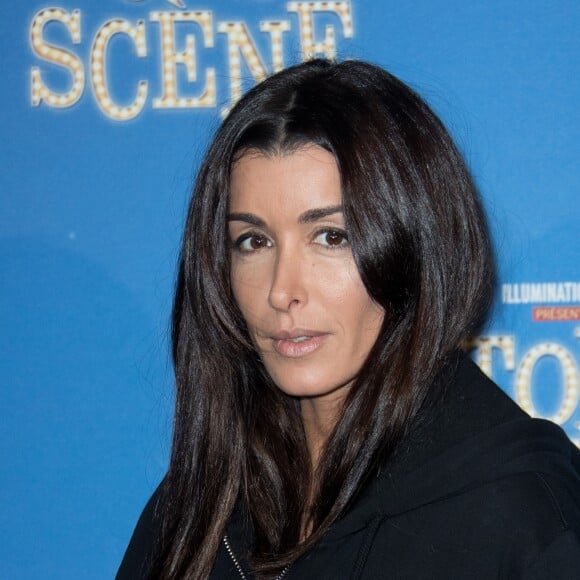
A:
{"x": 319, "y": 416}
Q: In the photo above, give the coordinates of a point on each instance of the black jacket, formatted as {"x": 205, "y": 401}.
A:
{"x": 478, "y": 490}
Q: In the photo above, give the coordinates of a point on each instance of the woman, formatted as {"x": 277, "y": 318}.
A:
{"x": 327, "y": 425}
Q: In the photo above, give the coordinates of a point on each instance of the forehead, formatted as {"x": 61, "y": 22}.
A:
{"x": 287, "y": 184}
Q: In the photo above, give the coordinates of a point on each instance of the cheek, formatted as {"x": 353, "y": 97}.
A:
{"x": 336, "y": 283}
{"x": 343, "y": 287}
{"x": 364, "y": 317}
{"x": 248, "y": 289}
{"x": 366, "y": 321}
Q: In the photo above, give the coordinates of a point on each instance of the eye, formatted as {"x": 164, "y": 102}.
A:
{"x": 332, "y": 238}
{"x": 252, "y": 242}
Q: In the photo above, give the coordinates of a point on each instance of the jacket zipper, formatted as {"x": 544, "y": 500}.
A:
{"x": 238, "y": 566}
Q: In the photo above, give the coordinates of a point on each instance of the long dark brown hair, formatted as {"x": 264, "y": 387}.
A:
{"x": 421, "y": 245}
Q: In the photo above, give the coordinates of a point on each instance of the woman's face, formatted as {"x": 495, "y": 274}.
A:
{"x": 293, "y": 274}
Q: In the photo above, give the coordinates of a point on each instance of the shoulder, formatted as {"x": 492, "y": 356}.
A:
{"x": 525, "y": 510}
{"x": 138, "y": 555}
{"x": 518, "y": 526}
{"x": 558, "y": 560}
{"x": 539, "y": 519}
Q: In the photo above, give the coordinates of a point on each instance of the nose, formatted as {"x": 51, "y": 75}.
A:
{"x": 288, "y": 289}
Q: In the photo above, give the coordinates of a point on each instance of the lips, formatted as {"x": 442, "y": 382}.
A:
{"x": 298, "y": 343}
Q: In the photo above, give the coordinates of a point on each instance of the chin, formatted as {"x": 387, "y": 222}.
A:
{"x": 310, "y": 385}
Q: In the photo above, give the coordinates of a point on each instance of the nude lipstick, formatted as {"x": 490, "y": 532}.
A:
{"x": 298, "y": 343}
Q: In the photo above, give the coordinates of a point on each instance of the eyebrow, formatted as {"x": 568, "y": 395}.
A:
{"x": 313, "y": 215}
{"x": 308, "y": 217}
{"x": 249, "y": 218}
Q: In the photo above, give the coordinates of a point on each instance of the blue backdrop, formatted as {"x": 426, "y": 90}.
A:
{"x": 105, "y": 110}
